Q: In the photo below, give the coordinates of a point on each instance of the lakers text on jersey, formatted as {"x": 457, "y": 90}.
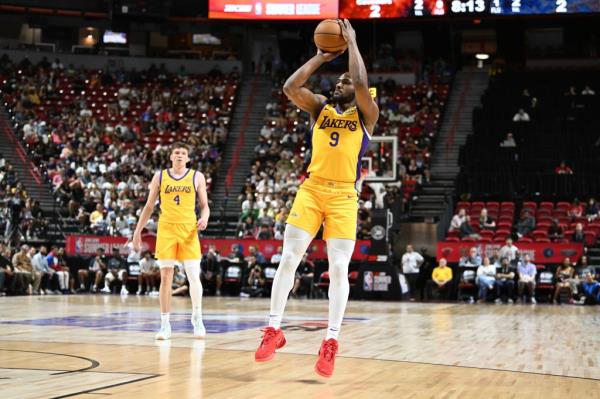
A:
{"x": 177, "y": 235}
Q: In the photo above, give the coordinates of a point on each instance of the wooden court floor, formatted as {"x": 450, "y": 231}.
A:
{"x": 86, "y": 346}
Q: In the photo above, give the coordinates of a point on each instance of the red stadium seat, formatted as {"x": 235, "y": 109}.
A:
{"x": 526, "y": 239}
{"x": 537, "y": 234}
{"x": 542, "y": 240}
{"x": 590, "y": 237}
{"x": 452, "y": 239}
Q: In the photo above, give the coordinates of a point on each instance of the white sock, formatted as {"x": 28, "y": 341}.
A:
{"x": 192, "y": 271}
{"x": 164, "y": 319}
{"x": 339, "y": 253}
{"x": 295, "y": 242}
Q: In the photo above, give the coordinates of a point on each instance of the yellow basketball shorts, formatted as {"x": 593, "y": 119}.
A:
{"x": 321, "y": 201}
{"x": 177, "y": 241}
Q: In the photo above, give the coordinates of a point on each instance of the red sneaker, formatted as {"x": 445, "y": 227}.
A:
{"x": 326, "y": 362}
{"x": 272, "y": 339}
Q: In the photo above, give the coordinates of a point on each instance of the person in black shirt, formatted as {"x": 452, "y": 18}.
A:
{"x": 304, "y": 277}
{"x": 505, "y": 281}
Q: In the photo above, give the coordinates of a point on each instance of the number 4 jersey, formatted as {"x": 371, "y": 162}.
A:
{"x": 339, "y": 141}
{"x": 177, "y": 197}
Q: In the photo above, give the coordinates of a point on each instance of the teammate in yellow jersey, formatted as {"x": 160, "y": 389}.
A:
{"x": 341, "y": 131}
{"x": 177, "y": 189}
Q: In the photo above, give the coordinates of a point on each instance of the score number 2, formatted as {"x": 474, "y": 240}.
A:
{"x": 561, "y": 5}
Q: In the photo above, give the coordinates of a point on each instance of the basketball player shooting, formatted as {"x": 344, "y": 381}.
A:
{"x": 177, "y": 189}
{"x": 340, "y": 134}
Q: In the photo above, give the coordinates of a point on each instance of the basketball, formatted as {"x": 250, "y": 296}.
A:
{"x": 328, "y": 36}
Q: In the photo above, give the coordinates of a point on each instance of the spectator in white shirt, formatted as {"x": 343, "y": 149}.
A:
{"x": 521, "y": 116}
{"x": 587, "y": 91}
{"x": 411, "y": 262}
{"x": 486, "y": 279}
{"x": 509, "y": 141}
{"x": 509, "y": 250}
{"x": 276, "y": 258}
{"x": 458, "y": 219}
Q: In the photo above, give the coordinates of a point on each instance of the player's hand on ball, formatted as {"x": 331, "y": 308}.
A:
{"x": 202, "y": 223}
{"x": 328, "y": 56}
{"x": 348, "y": 31}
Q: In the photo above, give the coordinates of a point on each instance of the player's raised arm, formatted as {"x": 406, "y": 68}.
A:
{"x": 294, "y": 88}
{"x": 147, "y": 211}
{"x": 200, "y": 184}
{"x": 358, "y": 73}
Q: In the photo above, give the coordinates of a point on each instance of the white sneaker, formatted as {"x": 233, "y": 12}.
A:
{"x": 105, "y": 290}
{"x": 124, "y": 291}
{"x": 533, "y": 301}
{"x": 139, "y": 292}
{"x": 498, "y": 301}
{"x": 510, "y": 301}
{"x": 199, "y": 330}
{"x": 164, "y": 333}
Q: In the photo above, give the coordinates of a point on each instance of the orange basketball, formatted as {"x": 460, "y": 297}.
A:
{"x": 328, "y": 36}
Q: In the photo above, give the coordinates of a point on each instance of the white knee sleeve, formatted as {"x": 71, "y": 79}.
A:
{"x": 339, "y": 254}
{"x": 192, "y": 271}
{"x": 295, "y": 242}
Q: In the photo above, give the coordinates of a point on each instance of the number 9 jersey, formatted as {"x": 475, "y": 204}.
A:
{"x": 339, "y": 141}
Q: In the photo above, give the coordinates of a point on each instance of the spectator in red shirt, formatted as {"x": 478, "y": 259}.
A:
{"x": 563, "y": 169}
{"x": 576, "y": 210}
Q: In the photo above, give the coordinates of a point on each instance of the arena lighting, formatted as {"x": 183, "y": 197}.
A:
{"x": 482, "y": 56}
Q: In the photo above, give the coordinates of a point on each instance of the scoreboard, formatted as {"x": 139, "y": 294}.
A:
{"x": 375, "y": 9}
{"x": 523, "y": 7}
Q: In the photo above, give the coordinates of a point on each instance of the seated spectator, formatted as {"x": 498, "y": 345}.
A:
{"x": 576, "y": 209}
{"x": 564, "y": 275}
{"x": 527, "y": 272}
{"x": 264, "y": 233}
{"x": 486, "y": 279}
{"x": 590, "y": 290}
{"x": 526, "y": 224}
{"x": 305, "y": 275}
{"x": 471, "y": 260}
{"x": 486, "y": 222}
{"x": 588, "y": 91}
{"x": 563, "y": 169}
{"x": 22, "y": 264}
{"x": 555, "y": 231}
{"x": 592, "y": 210}
{"x": 236, "y": 255}
{"x": 466, "y": 230}
{"x": 212, "y": 274}
{"x": 254, "y": 285}
{"x": 505, "y": 282}
{"x": 581, "y": 268}
{"x": 578, "y": 235}
{"x": 571, "y": 92}
{"x": 117, "y": 273}
{"x": 96, "y": 271}
{"x": 149, "y": 274}
{"x": 40, "y": 264}
{"x": 458, "y": 219}
{"x": 180, "y": 284}
{"x": 509, "y": 141}
{"x": 441, "y": 281}
{"x": 521, "y": 116}
{"x": 276, "y": 258}
{"x": 509, "y": 250}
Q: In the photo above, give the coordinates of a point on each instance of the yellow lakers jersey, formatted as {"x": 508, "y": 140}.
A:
{"x": 177, "y": 198}
{"x": 339, "y": 140}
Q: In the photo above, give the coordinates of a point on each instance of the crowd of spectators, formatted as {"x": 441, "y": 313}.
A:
{"x": 562, "y": 222}
{"x": 410, "y": 113}
{"x": 99, "y": 135}
{"x": 507, "y": 276}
